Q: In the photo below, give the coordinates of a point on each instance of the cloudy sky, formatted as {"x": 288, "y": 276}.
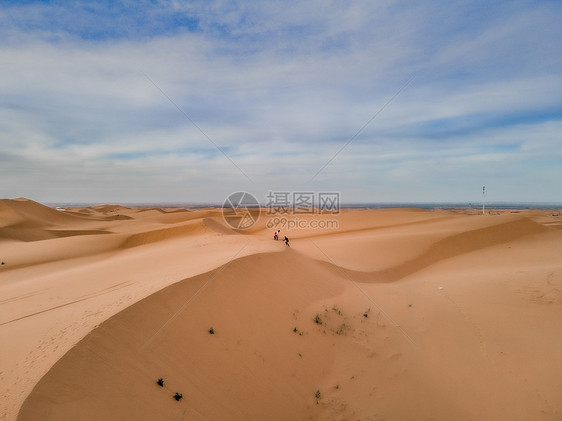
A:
{"x": 172, "y": 101}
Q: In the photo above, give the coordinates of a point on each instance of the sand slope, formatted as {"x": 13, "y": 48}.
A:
{"x": 421, "y": 315}
{"x": 253, "y": 355}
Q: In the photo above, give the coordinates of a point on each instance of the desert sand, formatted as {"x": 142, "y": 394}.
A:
{"x": 397, "y": 314}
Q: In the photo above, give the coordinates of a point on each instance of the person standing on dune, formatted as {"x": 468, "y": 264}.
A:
{"x": 286, "y": 240}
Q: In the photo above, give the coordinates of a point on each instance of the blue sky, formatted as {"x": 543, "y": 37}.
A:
{"x": 95, "y": 99}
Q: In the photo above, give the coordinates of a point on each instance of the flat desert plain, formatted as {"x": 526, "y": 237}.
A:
{"x": 396, "y": 314}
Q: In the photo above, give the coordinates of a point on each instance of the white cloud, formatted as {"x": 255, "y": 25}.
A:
{"x": 281, "y": 89}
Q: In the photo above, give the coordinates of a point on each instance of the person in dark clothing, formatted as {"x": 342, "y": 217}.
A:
{"x": 286, "y": 240}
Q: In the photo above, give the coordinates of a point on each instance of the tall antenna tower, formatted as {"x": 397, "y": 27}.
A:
{"x": 483, "y": 199}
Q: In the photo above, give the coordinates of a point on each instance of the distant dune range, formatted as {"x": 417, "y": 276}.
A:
{"x": 396, "y": 314}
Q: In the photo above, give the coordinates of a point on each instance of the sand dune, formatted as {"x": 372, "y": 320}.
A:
{"x": 191, "y": 228}
{"x": 456, "y": 245}
{"x": 396, "y": 314}
{"x": 27, "y": 211}
{"x": 253, "y": 355}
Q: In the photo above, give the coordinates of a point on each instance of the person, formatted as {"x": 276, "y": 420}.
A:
{"x": 275, "y": 236}
{"x": 286, "y": 241}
